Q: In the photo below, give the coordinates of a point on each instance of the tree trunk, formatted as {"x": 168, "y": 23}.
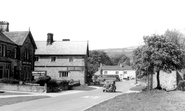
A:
{"x": 151, "y": 87}
{"x": 158, "y": 81}
{"x": 148, "y": 86}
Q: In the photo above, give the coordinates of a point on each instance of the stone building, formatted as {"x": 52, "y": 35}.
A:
{"x": 17, "y": 50}
{"x": 62, "y": 60}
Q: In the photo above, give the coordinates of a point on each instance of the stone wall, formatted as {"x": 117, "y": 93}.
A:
{"x": 168, "y": 81}
{"x": 24, "y": 88}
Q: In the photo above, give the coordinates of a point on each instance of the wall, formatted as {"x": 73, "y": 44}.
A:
{"x": 60, "y": 61}
{"x": 130, "y": 73}
{"x": 27, "y": 64}
{"x": 167, "y": 80}
{"x": 61, "y": 64}
{"x": 24, "y": 88}
{"x": 8, "y": 59}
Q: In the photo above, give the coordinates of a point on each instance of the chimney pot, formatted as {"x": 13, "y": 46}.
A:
{"x": 4, "y": 26}
{"x": 49, "y": 39}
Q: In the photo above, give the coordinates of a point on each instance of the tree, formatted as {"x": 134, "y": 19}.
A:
{"x": 121, "y": 59}
{"x": 94, "y": 60}
{"x": 163, "y": 55}
{"x": 158, "y": 54}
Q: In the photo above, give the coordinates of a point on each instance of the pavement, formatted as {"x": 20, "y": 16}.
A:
{"x": 41, "y": 94}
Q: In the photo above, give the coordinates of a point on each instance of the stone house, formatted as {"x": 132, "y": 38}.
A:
{"x": 17, "y": 50}
{"x": 62, "y": 60}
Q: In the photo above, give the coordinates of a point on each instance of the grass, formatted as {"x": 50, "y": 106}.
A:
{"x": 155, "y": 100}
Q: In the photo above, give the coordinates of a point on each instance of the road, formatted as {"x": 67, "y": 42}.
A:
{"x": 70, "y": 102}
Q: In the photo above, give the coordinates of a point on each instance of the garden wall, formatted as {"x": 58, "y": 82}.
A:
{"x": 24, "y": 88}
{"x": 168, "y": 81}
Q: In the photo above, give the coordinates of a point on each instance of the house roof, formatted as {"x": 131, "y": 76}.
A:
{"x": 3, "y": 38}
{"x": 62, "y": 48}
{"x": 19, "y": 37}
{"x": 116, "y": 68}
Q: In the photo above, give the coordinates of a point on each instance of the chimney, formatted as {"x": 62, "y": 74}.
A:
{"x": 65, "y": 39}
{"x": 49, "y": 39}
{"x": 4, "y": 26}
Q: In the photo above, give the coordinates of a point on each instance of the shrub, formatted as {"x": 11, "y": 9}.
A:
{"x": 42, "y": 80}
{"x": 9, "y": 81}
{"x": 52, "y": 83}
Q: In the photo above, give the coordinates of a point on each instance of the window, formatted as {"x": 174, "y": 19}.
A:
{"x": 15, "y": 53}
{"x": 1, "y": 50}
{"x": 36, "y": 58}
{"x": 125, "y": 72}
{"x": 117, "y": 72}
{"x": 105, "y": 72}
{"x": 63, "y": 74}
{"x": 27, "y": 54}
{"x": 4, "y": 50}
{"x": 71, "y": 59}
{"x": 53, "y": 59}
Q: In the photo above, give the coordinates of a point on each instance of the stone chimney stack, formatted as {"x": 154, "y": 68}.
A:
{"x": 49, "y": 39}
{"x": 4, "y": 26}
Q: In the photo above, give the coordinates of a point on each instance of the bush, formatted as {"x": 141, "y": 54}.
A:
{"x": 9, "y": 81}
{"x": 53, "y": 85}
{"x": 42, "y": 80}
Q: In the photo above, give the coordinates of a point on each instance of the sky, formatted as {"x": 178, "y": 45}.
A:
{"x": 104, "y": 23}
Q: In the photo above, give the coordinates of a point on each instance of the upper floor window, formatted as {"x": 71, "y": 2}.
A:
{"x": 36, "y": 58}
{"x": 105, "y": 72}
{"x": 1, "y": 50}
{"x": 15, "y": 53}
{"x": 71, "y": 59}
{"x": 53, "y": 59}
{"x": 117, "y": 72}
{"x": 4, "y": 50}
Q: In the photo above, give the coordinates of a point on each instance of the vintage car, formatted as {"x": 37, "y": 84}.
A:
{"x": 109, "y": 86}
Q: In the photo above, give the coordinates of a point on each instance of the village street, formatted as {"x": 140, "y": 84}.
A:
{"x": 72, "y": 101}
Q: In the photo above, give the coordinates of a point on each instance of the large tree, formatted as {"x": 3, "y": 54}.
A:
{"x": 158, "y": 54}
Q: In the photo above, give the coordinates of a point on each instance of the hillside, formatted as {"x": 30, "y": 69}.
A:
{"x": 118, "y": 51}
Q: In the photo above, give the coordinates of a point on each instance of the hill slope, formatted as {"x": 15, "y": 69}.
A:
{"x": 118, "y": 51}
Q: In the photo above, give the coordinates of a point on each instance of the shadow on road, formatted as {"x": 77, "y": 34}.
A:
{"x": 115, "y": 92}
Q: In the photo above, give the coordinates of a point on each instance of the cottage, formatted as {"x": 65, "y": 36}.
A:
{"x": 122, "y": 71}
{"x": 17, "y": 50}
{"x": 62, "y": 60}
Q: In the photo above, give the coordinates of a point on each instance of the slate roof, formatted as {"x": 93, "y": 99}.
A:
{"x": 17, "y": 37}
{"x": 3, "y": 38}
{"x": 62, "y": 48}
{"x": 116, "y": 68}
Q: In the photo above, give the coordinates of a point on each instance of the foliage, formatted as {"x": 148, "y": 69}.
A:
{"x": 9, "y": 81}
{"x": 94, "y": 60}
{"x": 42, "y": 80}
{"x": 52, "y": 83}
{"x": 157, "y": 54}
{"x": 121, "y": 59}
